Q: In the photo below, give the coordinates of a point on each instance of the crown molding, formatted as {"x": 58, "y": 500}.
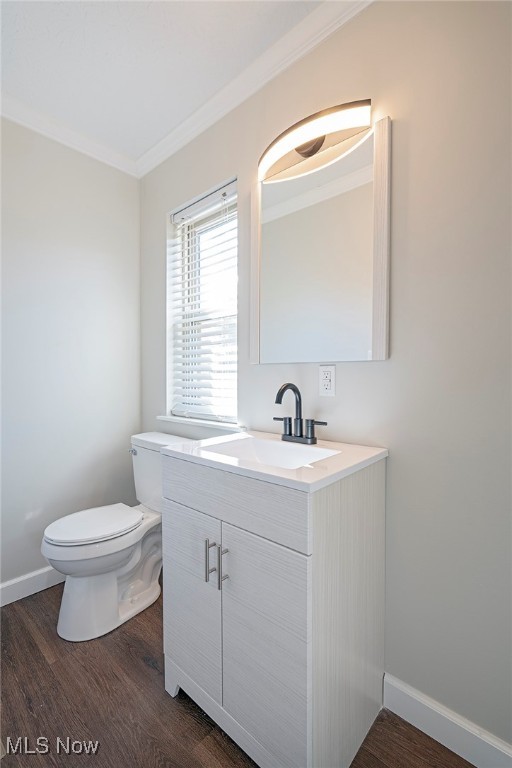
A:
{"x": 301, "y": 39}
{"x": 19, "y": 113}
{"x": 310, "y": 32}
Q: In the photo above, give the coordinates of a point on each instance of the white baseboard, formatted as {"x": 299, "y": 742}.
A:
{"x": 29, "y": 584}
{"x": 463, "y": 737}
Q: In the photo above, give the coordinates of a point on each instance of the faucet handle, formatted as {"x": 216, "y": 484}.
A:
{"x": 310, "y": 428}
{"x": 287, "y": 423}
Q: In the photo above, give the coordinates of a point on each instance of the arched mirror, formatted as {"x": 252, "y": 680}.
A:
{"x": 321, "y": 257}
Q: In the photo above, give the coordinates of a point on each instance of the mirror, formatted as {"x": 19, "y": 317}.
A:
{"x": 321, "y": 259}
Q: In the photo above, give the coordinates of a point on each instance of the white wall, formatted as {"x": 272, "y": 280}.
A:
{"x": 71, "y": 377}
{"x": 441, "y": 403}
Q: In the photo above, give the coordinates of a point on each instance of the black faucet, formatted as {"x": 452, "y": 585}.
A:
{"x": 297, "y": 435}
{"x": 297, "y": 422}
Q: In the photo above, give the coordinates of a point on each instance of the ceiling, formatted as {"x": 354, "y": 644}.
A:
{"x": 131, "y": 82}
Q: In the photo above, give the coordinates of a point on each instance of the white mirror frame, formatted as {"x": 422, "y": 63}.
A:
{"x": 381, "y": 249}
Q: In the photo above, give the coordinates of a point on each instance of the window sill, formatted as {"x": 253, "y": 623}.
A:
{"x": 222, "y": 426}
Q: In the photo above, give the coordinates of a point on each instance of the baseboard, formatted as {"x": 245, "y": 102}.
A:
{"x": 463, "y": 737}
{"x": 29, "y": 584}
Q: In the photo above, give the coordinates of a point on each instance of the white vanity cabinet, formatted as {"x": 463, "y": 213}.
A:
{"x": 285, "y": 651}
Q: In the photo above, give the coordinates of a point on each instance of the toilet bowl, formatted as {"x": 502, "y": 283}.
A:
{"x": 111, "y": 555}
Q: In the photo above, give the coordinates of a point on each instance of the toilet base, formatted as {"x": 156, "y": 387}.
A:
{"x": 83, "y": 617}
{"x": 107, "y": 582}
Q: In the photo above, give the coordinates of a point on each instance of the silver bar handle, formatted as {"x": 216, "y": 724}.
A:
{"x": 220, "y": 577}
{"x": 207, "y": 569}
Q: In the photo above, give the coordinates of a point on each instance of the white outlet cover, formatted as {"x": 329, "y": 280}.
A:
{"x": 327, "y": 380}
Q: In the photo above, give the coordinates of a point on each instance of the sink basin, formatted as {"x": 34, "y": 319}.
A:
{"x": 273, "y": 453}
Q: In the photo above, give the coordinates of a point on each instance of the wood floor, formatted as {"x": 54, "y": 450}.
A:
{"x": 111, "y": 690}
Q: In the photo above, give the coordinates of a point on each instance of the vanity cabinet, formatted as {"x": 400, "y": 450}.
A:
{"x": 285, "y": 650}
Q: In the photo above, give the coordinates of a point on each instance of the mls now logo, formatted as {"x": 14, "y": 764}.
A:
{"x": 63, "y": 746}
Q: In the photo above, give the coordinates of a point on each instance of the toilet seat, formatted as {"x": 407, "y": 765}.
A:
{"x": 91, "y": 526}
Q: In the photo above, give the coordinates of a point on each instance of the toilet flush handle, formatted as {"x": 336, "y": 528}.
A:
{"x": 133, "y": 451}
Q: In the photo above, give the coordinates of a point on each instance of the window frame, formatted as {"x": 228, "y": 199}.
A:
{"x": 200, "y": 402}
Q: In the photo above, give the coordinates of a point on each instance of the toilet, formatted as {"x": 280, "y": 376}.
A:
{"x": 111, "y": 555}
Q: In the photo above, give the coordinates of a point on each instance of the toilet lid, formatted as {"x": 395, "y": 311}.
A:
{"x": 93, "y": 525}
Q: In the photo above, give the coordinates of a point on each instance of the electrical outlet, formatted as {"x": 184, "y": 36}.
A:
{"x": 327, "y": 380}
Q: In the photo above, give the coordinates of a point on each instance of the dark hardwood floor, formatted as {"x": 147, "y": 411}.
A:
{"x": 111, "y": 690}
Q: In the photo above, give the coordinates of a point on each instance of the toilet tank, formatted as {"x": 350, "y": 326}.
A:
{"x": 147, "y": 466}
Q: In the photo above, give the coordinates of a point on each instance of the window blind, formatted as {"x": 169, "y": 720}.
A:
{"x": 202, "y": 264}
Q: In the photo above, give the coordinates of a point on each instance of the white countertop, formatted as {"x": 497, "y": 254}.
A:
{"x": 318, "y": 474}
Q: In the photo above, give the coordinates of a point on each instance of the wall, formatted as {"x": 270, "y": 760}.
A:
{"x": 71, "y": 377}
{"x": 441, "y": 403}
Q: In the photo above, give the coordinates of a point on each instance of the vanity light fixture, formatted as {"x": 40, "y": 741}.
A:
{"x": 311, "y": 136}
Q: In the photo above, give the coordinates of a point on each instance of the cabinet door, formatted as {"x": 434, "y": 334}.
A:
{"x": 266, "y": 644}
{"x": 192, "y": 606}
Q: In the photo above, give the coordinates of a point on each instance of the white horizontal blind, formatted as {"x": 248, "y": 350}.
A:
{"x": 202, "y": 262}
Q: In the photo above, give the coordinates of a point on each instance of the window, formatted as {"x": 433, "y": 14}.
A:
{"x": 202, "y": 308}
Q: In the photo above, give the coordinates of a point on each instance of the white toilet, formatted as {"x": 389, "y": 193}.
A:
{"x": 111, "y": 556}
